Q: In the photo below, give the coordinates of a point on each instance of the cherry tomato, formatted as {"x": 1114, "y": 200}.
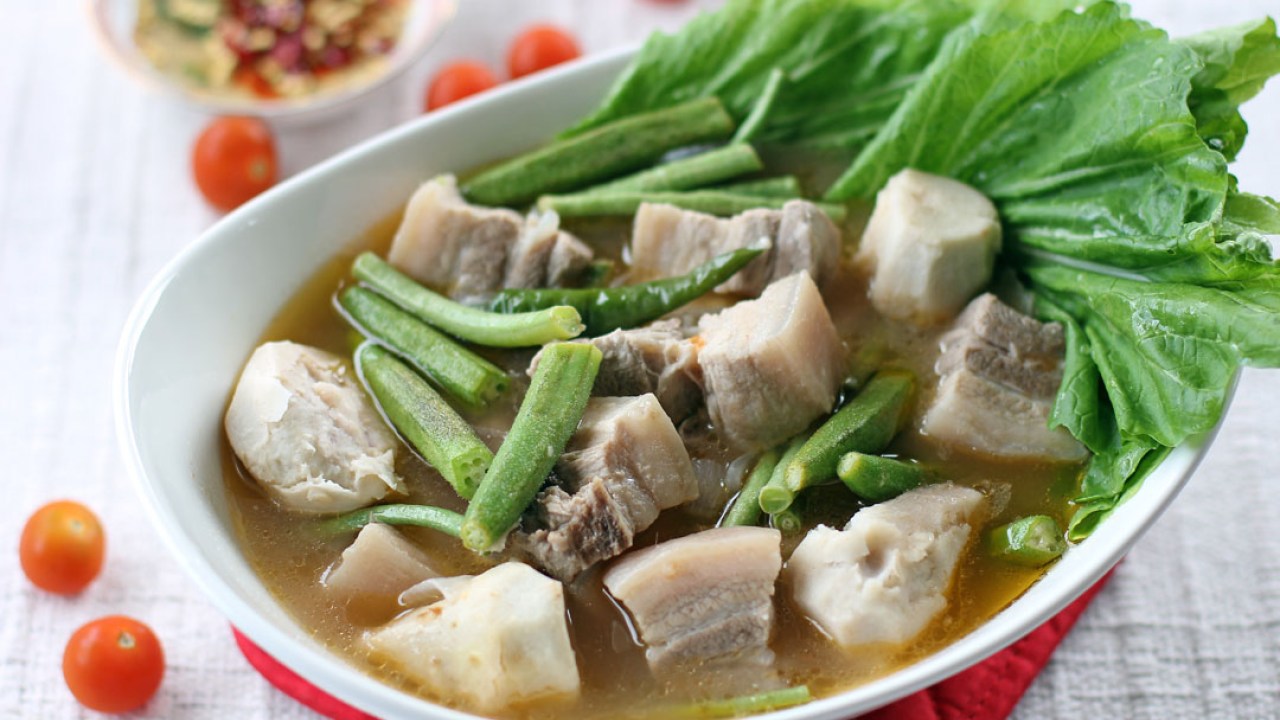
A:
{"x": 538, "y": 48}
{"x": 113, "y": 664}
{"x": 234, "y": 159}
{"x": 62, "y": 547}
{"x": 458, "y": 80}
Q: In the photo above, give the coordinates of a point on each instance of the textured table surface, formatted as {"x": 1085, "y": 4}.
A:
{"x": 95, "y": 196}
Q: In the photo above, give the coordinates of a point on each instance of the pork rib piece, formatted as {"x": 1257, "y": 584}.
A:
{"x": 1000, "y": 371}
{"x": 770, "y": 366}
{"x": 702, "y": 598}
{"x": 624, "y": 465}
{"x": 666, "y": 241}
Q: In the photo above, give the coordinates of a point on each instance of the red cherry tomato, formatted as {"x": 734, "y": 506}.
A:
{"x": 62, "y": 547}
{"x": 458, "y": 80}
{"x": 538, "y": 48}
{"x": 234, "y": 160}
{"x": 113, "y": 664}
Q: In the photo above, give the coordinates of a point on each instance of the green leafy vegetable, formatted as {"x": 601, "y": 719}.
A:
{"x": 846, "y": 64}
{"x": 1238, "y": 60}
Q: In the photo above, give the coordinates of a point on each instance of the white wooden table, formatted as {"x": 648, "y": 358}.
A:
{"x": 95, "y": 196}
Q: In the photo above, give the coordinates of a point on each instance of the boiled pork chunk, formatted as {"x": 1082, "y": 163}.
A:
{"x": 702, "y": 599}
{"x": 931, "y": 244}
{"x": 770, "y": 366}
{"x": 654, "y": 359}
{"x": 667, "y": 241}
{"x": 306, "y": 431}
{"x": 544, "y": 255}
{"x": 1000, "y": 371}
{"x": 496, "y": 640}
{"x": 445, "y": 242}
{"x": 471, "y": 251}
{"x": 624, "y": 465}
{"x": 885, "y": 576}
{"x": 379, "y": 563}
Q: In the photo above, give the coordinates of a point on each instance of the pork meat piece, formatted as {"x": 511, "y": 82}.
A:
{"x": 449, "y": 244}
{"x": 495, "y": 640}
{"x": 1000, "y": 371}
{"x": 624, "y": 465}
{"x": 652, "y": 359}
{"x": 770, "y": 366}
{"x": 702, "y": 599}
{"x": 306, "y": 431}
{"x": 931, "y": 244}
{"x": 379, "y": 563}
{"x": 885, "y": 576}
{"x": 544, "y": 255}
{"x": 667, "y": 241}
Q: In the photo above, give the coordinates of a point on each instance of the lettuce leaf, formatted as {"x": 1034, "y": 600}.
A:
{"x": 1078, "y": 128}
{"x": 847, "y": 64}
{"x": 1237, "y": 62}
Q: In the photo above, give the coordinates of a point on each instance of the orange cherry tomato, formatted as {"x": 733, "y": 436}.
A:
{"x": 538, "y": 48}
{"x": 233, "y": 160}
{"x": 113, "y": 664}
{"x": 62, "y": 547}
{"x": 458, "y": 80}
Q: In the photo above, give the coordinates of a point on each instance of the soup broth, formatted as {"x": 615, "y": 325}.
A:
{"x": 292, "y": 559}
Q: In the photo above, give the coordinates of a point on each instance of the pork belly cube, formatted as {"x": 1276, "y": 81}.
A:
{"x": 624, "y": 465}
{"x": 447, "y": 243}
{"x": 1000, "y": 371}
{"x": 495, "y": 640}
{"x": 306, "y": 431}
{"x": 705, "y": 598}
{"x": 885, "y": 576}
{"x": 379, "y": 563}
{"x": 667, "y": 241}
{"x": 653, "y": 359}
{"x": 931, "y": 243}
{"x": 770, "y": 366}
{"x": 544, "y": 255}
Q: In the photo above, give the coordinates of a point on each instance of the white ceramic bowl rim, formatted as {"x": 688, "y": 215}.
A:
{"x": 1080, "y": 568}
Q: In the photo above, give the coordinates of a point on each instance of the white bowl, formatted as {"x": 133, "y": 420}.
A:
{"x": 194, "y": 327}
{"x": 114, "y": 21}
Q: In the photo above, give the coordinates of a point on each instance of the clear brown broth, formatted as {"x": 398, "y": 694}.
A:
{"x": 616, "y": 682}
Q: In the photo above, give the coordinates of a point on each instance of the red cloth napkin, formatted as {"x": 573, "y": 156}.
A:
{"x": 986, "y": 691}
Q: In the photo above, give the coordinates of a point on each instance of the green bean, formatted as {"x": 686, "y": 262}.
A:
{"x": 550, "y": 413}
{"x": 755, "y": 119}
{"x": 468, "y": 323}
{"x": 775, "y": 496}
{"x": 876, "y": 479}
{"x": 745, "y": 705}
{"x": 745, "y": 508}
{"x": 865, "y": 424}
{"x": 608, "y": 151}
{"x": 1032, "y": 541}
{"x": 788, "y": 521}
{"x": 424, "y": 419}
{"x": 784, "y": 186}
{"x": 695, "y": 171}
{"x": 457, "y": 370}
{"x": 440, "y": 519}
{"x": 712, "y": 202}
{"x": 606, "y": 309}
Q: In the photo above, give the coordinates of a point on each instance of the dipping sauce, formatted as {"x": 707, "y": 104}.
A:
{"x": 269, "y": 49}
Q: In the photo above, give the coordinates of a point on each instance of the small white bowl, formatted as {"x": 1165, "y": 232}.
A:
{"x": 114, "y": 21}
{"x": 193, "y": 328}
